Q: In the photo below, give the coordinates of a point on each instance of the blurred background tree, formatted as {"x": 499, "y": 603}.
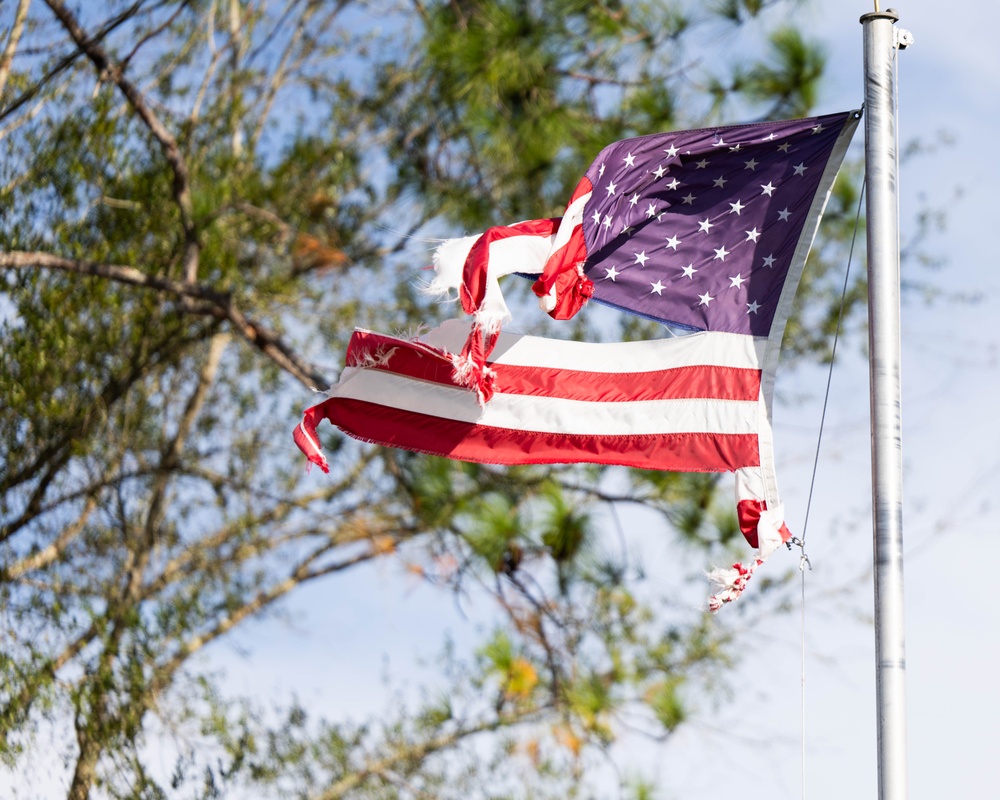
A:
{"x": 199, "y": 200}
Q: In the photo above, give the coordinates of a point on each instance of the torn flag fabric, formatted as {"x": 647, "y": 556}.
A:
{"x": 705, "y": 230}
{"x": 702, "y": 230}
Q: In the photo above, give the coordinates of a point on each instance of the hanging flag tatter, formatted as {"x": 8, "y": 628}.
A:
{"x": 707, "y": 231}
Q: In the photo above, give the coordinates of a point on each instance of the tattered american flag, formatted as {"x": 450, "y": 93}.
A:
{"x": 707, "y": 231}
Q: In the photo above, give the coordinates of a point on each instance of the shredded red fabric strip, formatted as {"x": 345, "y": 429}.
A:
{"x": 748, "y": 512}
{"x": 477, "y": 265}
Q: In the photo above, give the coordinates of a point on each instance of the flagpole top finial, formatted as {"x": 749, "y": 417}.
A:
{"x": 889, "y": 13}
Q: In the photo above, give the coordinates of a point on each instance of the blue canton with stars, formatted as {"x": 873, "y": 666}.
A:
{"x": 699, "y": 228}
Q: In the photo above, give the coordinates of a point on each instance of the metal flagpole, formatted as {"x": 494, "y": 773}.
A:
{"x": 881, "y": 42}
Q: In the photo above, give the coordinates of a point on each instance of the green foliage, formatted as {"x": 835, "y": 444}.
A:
{"x": 566, "y": 529}
{"x": 790, "y": 79}
{"x": 666, "y": 703}
{"x": 503, "y": 104}
{"x": 738, "y": 10}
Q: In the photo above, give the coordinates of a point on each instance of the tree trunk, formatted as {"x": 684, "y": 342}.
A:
{"x": 86, "y": 764}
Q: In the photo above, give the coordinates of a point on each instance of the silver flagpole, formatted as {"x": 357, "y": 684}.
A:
{"x": 881, "y": 42}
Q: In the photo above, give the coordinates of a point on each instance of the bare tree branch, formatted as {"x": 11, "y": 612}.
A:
{"x": 152, "y": 34}
{"x": 281, "y": 71}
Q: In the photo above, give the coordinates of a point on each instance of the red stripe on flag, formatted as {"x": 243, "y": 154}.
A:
{"x": 716, "y": 383}
{"x": 375, "y": 351}
{"x": 583, "y": 186}
{"x": 392, "y": 427}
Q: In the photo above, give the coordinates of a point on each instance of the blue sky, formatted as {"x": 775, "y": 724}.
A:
{"x": 949, "y": 82}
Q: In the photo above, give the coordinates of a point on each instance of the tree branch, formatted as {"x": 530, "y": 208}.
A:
{"x": 15, "y": 36}
{"x": 171, "y": 452}
{"x": 17, "y": 259}
{"x": 218, "y": 304}
{"x": 300, "y": 575}
{"x": 48, "y": 554}
{"x": 421, "y": 750}
{"x": 168, "y": 144}
{"x": 59, "y": 448}
{"x": 281, "y": 71}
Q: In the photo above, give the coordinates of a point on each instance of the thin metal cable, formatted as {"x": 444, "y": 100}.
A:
{"x": 802, "y": 666}
{"x": 801, "y": 542}
{"x": 833, "y": 358}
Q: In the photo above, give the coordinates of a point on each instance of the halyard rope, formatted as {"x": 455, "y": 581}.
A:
{"x": 801, "y": 542}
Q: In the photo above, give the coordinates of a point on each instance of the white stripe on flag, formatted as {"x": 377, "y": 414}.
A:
{"x": 548, "y": 414}
{"x": 708, "y": 348}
